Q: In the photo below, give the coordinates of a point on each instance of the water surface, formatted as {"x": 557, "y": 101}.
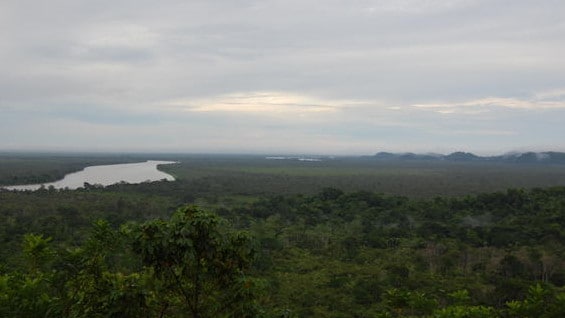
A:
{"x": 106, "y": 175}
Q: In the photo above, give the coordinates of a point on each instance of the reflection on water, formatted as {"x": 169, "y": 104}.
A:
{"x": 106, "y": 175}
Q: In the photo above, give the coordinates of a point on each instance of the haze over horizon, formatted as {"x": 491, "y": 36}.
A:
{"x": 315, "y": 77}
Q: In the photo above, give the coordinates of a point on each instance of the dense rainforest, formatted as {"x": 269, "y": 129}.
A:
{"x": 238, "y": 236}
{"x": 148, "y": 251}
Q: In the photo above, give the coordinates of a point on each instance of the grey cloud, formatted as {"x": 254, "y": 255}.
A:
{"x": 71, "y": 58}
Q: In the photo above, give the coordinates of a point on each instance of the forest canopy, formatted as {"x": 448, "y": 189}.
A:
{"x": 332, "y": 254}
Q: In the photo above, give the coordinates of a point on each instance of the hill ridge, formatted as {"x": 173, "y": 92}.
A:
{"x": 546, "y": 157}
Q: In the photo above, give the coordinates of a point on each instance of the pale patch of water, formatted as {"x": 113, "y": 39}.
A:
{"x": 106, "y": 175}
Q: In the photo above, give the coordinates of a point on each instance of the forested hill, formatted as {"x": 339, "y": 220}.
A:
{"x": 549, "y": 157}
{"x": 332, "y": 254}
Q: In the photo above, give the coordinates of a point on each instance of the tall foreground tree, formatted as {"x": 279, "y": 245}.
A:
{"x": 198, "y": 263}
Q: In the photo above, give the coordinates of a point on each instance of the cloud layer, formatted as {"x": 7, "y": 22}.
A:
{"x": 282, "y": 76}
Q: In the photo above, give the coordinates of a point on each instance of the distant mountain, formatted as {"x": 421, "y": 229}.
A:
{"x": 386, "y": 156}
{"x": 539, "y": 157}
{"x": 549, "y": 157}
{"x": 406, "y": 156}
{"x": 462, "y": 156}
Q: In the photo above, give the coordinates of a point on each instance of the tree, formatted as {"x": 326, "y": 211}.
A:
{"x": 27, "y": 293}
{"x": 199, "y": 265}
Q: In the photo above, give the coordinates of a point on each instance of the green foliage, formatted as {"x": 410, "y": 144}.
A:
{"x": 461, "y": 311}
{"x": 199, "y": 264}
{"x": 25, "y": 295}
{"x": 36, "y": 252}
{"x": 329, "y": 254}
{"x": 192, "y": 265}
{"x": 540, "y": 302}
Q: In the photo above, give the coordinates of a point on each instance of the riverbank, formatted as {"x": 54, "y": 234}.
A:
{"x": 105, "y": 175}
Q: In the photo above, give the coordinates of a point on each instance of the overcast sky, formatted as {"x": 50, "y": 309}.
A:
{"x": 261, "y": 76}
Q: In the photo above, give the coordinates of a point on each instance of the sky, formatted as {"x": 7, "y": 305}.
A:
{"x": 282, "y": 76}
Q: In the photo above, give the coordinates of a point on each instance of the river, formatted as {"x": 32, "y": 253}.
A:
{"x": 106, "y": 175}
